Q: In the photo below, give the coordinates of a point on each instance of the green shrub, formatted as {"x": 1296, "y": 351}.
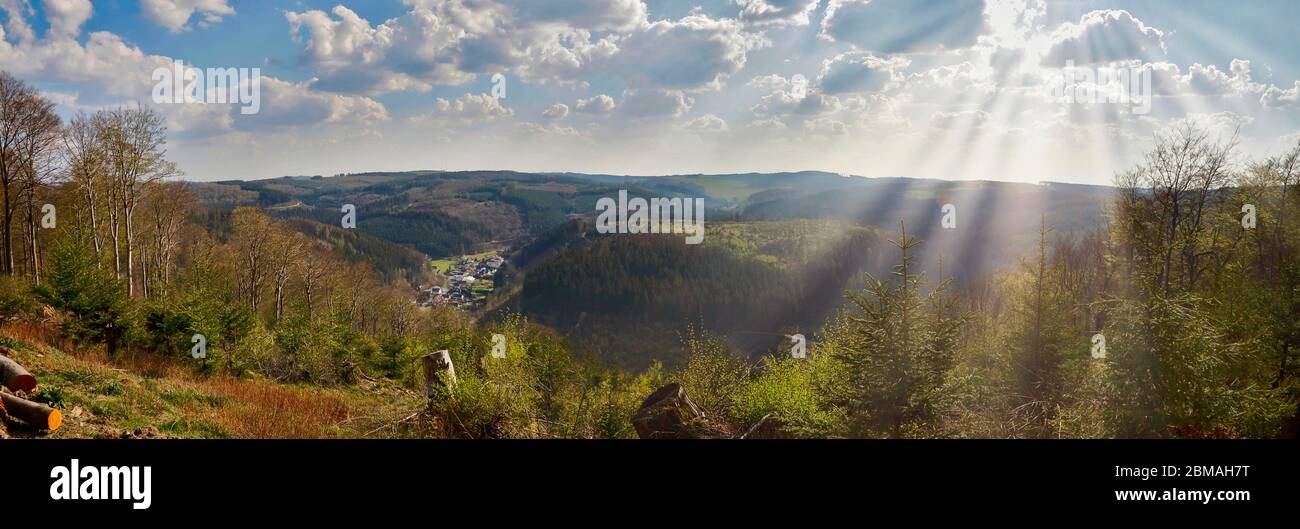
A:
{"x": 16, "y": 298}
{"x": 713, "y": 374}
{"x": 788, "y": 390}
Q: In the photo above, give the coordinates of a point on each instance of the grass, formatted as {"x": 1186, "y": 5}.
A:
{"x": 145, "y": 395}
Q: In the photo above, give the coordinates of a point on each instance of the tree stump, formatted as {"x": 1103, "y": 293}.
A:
{"x": 435, "y": 364}
{"x": 14, "y": 377}
{"x": 669, "y": 413}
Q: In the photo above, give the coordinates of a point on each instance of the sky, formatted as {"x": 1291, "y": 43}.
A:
{"x": 953, "y": 89}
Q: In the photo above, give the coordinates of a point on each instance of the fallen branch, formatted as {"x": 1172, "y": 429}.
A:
{"x": 756, "y": 426}
{"x": 393, "y": 425}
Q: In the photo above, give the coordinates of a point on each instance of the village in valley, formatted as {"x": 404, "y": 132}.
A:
{"x": 469, "y": 281}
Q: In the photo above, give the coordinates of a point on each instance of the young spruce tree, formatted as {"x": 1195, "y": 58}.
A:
{"x": 899, "y": 352}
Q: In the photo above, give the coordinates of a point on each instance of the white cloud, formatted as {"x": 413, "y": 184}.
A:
{"x": 783, "y": 103}
{"x": 556, "y": 111}
{"x": 965, "y": 119}
{"x": 595, "y": 15}
{"x": 1012, "y": 23}
{"x": 777, "y": 12}
{"x": 16, "y": 13}
{"x": 108, "y": 71}
{"x": 1276, "y": 97}
{"x": 599, "y": 105}
{"x": 859, "y": 72}
{"x": 949, "y": 82}
{"x": 1168, "y": 79}
{"x": 67, "y": 16}
{"x": 904, "y": 26}
{"x": 468, "y": 109}
{"x": 1104, "y": 36}
{"x": 706, "y": 123}
{"x": 826, "y": 127}
{"x": 175, "y": 15}
{"x": 105, "y": 62}
{"x": 653, "y": 103}
{"x": 694, "y": 53}
{"x": 529, "y": 128}
{"x": 769, "y": 82}
{"x": 450, "y": 42}
{"x": 286, "y": 104}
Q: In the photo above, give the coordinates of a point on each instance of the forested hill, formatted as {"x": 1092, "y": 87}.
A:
{"x": 393, "y": 262}
{"x": 437, "y": 213}
{"x": 454, "y": 213}
{"x": 629, "y": 298}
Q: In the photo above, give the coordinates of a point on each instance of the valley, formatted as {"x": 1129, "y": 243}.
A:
{"x": 779, "y": 250}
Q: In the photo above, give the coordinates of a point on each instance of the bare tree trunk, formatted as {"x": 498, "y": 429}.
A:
{"x": 114, "y": 228}
{"x": 33, "y": 233}
{"x": 144, "y": 278}
{"x": 93, "y": 206}
{"x": 279, "y": 303}
{"x": 9, "y": 239}
{"x": 130, "y": 250}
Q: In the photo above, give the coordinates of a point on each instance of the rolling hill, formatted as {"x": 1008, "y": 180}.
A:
{"x": 779, "y": 252}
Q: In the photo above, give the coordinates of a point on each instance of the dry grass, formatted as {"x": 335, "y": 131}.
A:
{"x": 36, "y": 333}
{"x": 265, "y": 410}
{"x": 113, "y": 397}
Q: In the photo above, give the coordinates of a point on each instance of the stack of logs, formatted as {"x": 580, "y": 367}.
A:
{"x": 16, "y": 383}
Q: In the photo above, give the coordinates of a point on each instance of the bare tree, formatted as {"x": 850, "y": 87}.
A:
{"x": 165, "y": 208}
{"x": 40, "y": 169}
{"x": 315, "y": 268}
{"x": 251, "y": 244}
{"x": 287, "y": 250}
{"x": 136, "y": 139}
{"x": 1166, "y": 199}
{"x": 85, "y": 163}
{"x": 27, "y": 130}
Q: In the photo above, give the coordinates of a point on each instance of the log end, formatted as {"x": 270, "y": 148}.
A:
{"x": 55, "y": 420}
{"x": 24, "y": 382}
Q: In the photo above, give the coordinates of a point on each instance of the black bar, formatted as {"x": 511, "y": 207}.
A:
{"x": 391, "y": 479}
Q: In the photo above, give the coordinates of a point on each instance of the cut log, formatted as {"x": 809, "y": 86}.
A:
{"x": 14, "y": 377}
{"x": 435, "y": 364}
{"x": 33, "y": 413}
